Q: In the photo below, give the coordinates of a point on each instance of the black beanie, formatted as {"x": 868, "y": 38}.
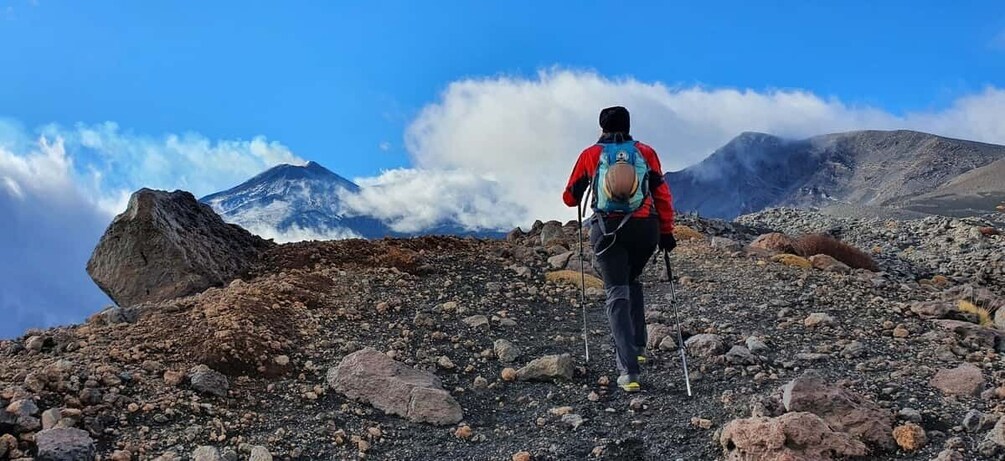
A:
{"x": 615, "y": 120}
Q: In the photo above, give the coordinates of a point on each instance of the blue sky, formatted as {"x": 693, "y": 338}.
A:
{"x": 443, "y": 110}
{"x": 306, "y": 73}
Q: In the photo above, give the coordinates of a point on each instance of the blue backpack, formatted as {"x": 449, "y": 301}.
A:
{"x": 622, "y": 181}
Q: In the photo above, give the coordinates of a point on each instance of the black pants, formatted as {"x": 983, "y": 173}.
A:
{"x": 621, "y": 259}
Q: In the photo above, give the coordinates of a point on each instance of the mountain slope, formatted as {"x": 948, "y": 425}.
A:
{"x": 290, "y": 202}
{"x": 875, "y": 168}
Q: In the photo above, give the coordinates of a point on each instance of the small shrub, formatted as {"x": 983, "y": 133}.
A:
{"x": 814, "y": 244}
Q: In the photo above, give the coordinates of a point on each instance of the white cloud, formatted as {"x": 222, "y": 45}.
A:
{"x": 59, "y": 189}
{"x": 384, "y": 146}
{"x": 527, "y": 133}
{"x": 415, "y": 199}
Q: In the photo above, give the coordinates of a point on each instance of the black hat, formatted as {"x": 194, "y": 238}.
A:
{"x": 615, "y": 120}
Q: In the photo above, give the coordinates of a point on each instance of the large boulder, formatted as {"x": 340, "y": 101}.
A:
{"x": 371, "y": 376}
{"x": 547, "y": 368}
{"x": 842, "y": 409}
{"x": 167, "y": 245}
{"x": 792, "y": 436}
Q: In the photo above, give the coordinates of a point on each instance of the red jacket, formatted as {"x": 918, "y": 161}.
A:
{"x": 586, "y": 169}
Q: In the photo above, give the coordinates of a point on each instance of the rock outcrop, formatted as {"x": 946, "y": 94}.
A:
{"x": 167, "y": 245}
{"x": 792, "y": 436}
{"x": 842, "y": 409}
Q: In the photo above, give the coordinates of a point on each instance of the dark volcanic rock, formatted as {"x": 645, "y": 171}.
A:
{"x": 168, "y": 245}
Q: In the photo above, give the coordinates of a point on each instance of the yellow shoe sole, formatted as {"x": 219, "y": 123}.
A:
{"x": 641, "y": 359}
{"x": 631, "y": 387}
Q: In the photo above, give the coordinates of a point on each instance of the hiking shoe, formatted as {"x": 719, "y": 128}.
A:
{"x": 642, "y": 356}
{"x": 629, "y": 383}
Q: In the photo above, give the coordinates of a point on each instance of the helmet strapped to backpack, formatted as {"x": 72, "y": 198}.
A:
{"x": 622, "y": 181}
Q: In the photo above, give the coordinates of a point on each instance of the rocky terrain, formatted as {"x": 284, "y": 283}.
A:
{"x": 895, "y": 170}
{"x": 461, "y": 348}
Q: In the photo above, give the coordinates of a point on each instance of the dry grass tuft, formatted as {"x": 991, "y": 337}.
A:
{"x": 983, "y": 315}
{"x": 821, "y": 244}
{"x": 686, "y": 233}
{"x": 568, "y": 277}
{"x": 792, "y": 260}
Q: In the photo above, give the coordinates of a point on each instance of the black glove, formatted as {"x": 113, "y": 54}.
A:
{"x": 667, "y": 242}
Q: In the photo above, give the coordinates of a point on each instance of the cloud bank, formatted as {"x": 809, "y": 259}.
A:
{"x": 518, "y": 138}
{"x": 60, "y": 188}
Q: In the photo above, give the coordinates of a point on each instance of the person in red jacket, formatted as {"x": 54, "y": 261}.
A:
{"x": 623, "y": 245}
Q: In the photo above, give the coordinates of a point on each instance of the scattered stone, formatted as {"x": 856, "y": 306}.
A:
{"x": 910, "y": 437}
{"x": 464, "y": 432}
{"x": 371, "y": 376}
{"x": 573, "y": 420}
{"x": 50, "y": 418}
{"x": 792, "y": 436}
{"x": 208, "y": 381}
{"x": 818, "y": 319}
{"x": 560, "y": 261}
{"x": 547, "y": 368}
{"x": 965, "y": 380}
{"x": 282, "y": 360}
{"x": 445, "y": 363}
{"x": 756, "y": 345}
{"x": 521, "y": 456}
{"x": 900, "y": 331}
{"x": 932, "y": 309}
{"x": 997, "y": 434}
{"x": 829, "y": 264}
{"x": 948, "y": 455}
{"x": 701, "y": 423}
{"x": 910, "y": 414}
{"x": 505, "y": 351}
{"x": 480, "y": 383}
{"x": 775, "y": 242}
{"x": 508, "y": 374}
{"x": 971, "y": 333}
{"x": 974, "y": 421}
{"x": 739, "y": 355}
{"x": 34, "y": 343}
{"x": 206, "y": 453}
{"x": 476, "y": 321}
{"x": 260, "y": 453}
{"x": 173, "y": 378}
{"x": 841, "y": 408}
{"x": 65, "y": 444}
{"x": 705, "y": 345}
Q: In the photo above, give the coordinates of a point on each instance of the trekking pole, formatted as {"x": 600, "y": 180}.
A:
{"x": 582, "y": 276}
{"x": 680, "y": 336}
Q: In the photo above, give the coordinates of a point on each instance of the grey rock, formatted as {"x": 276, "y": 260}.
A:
{"x": 260, "y": 453}
{"x": 476, "y": 321}
{"x": 208, "y": 381}
{"x": 65, "y": 444}
{"x": 705, "y": 345}
{"x": 997, "y": 434}
{"x": 505, "y": 351}
{"x": 974, "y": 421}
{"x": 559, "y": 261}
{"x": 372, "y": 377}
{"x": 739, "y": 355}
{"x": 573, "y": 420}
{"x": 206, "y": 453}
{"x": 549, "y": 367}
{"x": 932, "y": 309}
{"x": 910, "y": 414}
{"x": 552, "y": 233}
{"x": 168, "y": 245}
{"x": 656, "y": 332}
{"x": 818, "y": 319}
{"x": 756, "y": 345}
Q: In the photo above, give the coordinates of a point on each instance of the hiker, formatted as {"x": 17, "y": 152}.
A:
{"x": 632, "y": 216}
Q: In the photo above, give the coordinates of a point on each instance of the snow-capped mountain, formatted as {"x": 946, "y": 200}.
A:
{"x": 289, "y": 203}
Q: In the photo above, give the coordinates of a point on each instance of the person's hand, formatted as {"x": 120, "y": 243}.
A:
{"x": 667, "y": 242}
